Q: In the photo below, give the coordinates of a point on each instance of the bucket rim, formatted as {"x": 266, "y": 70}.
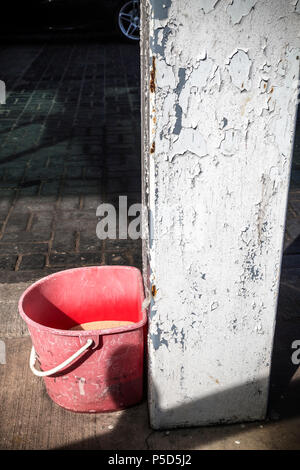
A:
{"x": 84, "y": 333}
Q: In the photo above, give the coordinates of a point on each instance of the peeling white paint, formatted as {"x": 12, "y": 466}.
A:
{"x": 190, "y": 140}
{"x": 237, "y": 9}
{"x": 239, "y": 69}
{"x": 231, "y": 143}
{"x": 296, "y": 4}
{"x": 165, "y": 76}
{"x": 221, "y": 116}
{"x": 207, "y": 5}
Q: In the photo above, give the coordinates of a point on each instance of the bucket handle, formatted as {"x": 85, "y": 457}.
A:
{"x": 61, "y": 366}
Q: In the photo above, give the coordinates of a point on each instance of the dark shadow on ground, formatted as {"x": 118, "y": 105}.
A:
{"x": 293, "y": 248}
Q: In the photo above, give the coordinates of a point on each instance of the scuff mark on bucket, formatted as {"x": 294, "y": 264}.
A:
{"x": 81, "y": 384}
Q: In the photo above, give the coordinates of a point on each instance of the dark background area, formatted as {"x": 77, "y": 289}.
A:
{"x": 30, "y": 16}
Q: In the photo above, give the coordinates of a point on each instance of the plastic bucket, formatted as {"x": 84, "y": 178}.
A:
{"x": 88, "y": 371}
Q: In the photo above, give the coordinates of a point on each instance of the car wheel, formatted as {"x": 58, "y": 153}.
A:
{"x": 129, "y": 20}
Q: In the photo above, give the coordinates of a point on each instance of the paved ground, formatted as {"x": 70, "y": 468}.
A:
{"x": 70, "y": 134}
{"x": 69, "y": 139}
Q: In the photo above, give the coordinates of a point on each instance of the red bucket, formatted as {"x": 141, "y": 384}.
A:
{"x": 96, "y": 370}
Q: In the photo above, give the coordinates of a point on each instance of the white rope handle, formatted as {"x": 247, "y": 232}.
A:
{"x": 61, "y": 366}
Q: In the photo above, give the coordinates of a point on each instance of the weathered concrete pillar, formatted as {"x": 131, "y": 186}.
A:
{"x": 219, "y": 97}
{"x": 2, "y": 92}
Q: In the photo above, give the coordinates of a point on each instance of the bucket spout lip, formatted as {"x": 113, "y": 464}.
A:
{"x": 84, "y": 333}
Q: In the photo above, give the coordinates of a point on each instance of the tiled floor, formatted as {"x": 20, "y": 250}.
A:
{"x": 69, "y": 140}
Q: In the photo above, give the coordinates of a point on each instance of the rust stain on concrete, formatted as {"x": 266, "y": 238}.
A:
{"x": 152, "y": 75}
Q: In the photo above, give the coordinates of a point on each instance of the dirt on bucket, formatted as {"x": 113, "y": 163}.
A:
{"x": 100, "y": 325}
